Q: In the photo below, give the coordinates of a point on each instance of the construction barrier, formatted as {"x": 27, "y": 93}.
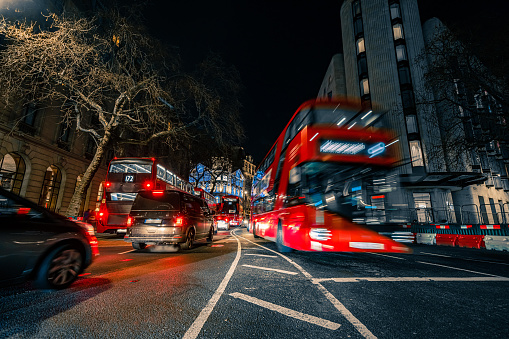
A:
{"x": 492, "y": 237}
{"x": 497, "y": 242}
{"x": 426, "y": 238}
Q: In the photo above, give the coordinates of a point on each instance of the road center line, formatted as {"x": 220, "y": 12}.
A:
{"x": 271, "y": 269}
{"x": 363, "y": 330}
{"x": 468, "y": 259}
{"x": 385, "y": 255}
{"x": 288, "y": 312}
{"x": 198, "y": 323}
{"x": 437, "y": 255}
{"x": 411, "y": 279}
{"x": 459, "y": 269}
{"x": 262, "y": 255}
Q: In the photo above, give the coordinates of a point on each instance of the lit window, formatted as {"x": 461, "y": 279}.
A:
{"x": 395, "y": 12}
{"x": 401, "y": 53}
{"x": 50, "y": 188}
{"x": 397, "y": 31}
{"x": 411, "y": 124}
{"x": 12, "y": 172}
{"x": 360, "y": 46}
{"x": 416, "y": 153}
{"x": 364, "y": 87}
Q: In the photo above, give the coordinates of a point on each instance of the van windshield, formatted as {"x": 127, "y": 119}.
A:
{"x": 148, "y": 200}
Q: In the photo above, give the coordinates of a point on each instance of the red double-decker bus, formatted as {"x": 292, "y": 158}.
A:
{"x": 208, "y": 197}
{"x": 318, "y": 183}
{"x": 125, "y": 178}
{"x": 228, "y": 213}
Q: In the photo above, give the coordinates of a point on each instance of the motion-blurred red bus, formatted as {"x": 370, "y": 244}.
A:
{"x": 228, "y": 213}
{"x": 319, "y": 179}
{"x": 125, "y": 178}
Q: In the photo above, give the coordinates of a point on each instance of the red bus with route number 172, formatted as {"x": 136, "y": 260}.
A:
{"x": 317, "y": 184}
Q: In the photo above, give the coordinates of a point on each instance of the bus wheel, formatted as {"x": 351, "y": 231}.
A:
{"x": 139, "y": 245}
{"x": 279, "y": 240}
{"x": 189, "y": 240}
{"x": 254, "y": 232}
{"x": 210, "y": 237}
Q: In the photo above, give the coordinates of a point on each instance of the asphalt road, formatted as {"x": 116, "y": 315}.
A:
{"x": 240, "y": 287}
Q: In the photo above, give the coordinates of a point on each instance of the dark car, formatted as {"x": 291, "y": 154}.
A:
{"x": 40, "y": 245}
{"x": 168, "y": 217}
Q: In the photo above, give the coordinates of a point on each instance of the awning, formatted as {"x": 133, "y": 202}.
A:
{"x": 443, "y": 179}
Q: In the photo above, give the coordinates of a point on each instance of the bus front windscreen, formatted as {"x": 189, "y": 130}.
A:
{"x": 229, "y": 206}
{"x": 343, "y": 189}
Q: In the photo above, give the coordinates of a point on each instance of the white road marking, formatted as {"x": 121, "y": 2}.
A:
{"x": 223, "y": 240}
{"x": 437, "y": 255}
{"x": 288, "y": 312}
{"x": 198, "y": 323}
{"x": 271, "y": 269}
{"x": 363, "y": 330}
{"x": 411, "y": 279}
{"x": 385, "y": 255}
{"x": 477, "y": 260}
{"x": 262, "y": 255}
{"x": 127, "y": 252}
{"x": 459, "y": 269}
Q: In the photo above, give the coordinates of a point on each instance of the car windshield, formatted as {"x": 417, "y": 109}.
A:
{"x": 150, "y": 200}
{"x": 343, "y": 189}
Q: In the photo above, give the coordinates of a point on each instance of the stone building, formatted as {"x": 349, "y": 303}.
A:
{"x": 41, "y": 158}
{"x": 383, "y": 64}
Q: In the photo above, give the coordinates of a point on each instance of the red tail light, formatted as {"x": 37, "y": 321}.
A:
{"x": 129, "y": 221}
{"x": 148, "y": 185}
{"x": 157, "y": 192}
{"x": 226, "y": 219}
{"x": 179, "y": 221}
{"x": 107, "y": 184}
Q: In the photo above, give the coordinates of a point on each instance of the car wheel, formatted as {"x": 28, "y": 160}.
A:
{"x": 139, "y": 245}
{"x": 210, "y": 237}
{"x": 60, "y": 268}
{"x": 188, "y": 244}
{"x": 254, "y": 232}
{"x": 279, "y": 240}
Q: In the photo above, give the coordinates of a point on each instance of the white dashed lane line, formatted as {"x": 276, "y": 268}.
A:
{"x": 409, "y": 279}
{"x": 261, "y": 255}
{"x": 127, "y": 252}
{"x": 389, "y": 256}
{"x": 459, "y": 269}
{"x": 271, "y": 269}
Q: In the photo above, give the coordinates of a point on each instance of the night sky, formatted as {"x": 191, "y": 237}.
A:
{"x": 283, "y": 48}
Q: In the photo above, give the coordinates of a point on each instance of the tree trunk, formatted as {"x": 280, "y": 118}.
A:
{"x": 79, "y": 193}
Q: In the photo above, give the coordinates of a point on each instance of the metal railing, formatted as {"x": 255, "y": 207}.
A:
{"x": 464, "y": 214}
